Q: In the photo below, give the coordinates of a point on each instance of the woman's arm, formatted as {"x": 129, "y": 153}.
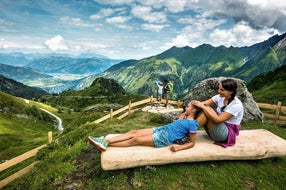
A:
{"x": 208, "y": 102}
{"x": 210, "y": 113}
{"x": 176, "y": 147}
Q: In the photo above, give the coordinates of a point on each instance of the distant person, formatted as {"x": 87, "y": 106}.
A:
{"x": 160, "y": 86}
{"x": 161, "y": 136}
{"x": 166, "y": 89}
{"x": 222, "y": 125}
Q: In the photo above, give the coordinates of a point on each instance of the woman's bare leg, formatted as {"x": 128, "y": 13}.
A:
{"x": 203, "y": 120}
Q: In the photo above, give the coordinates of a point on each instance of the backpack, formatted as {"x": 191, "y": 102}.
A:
{"x": 170, "y": 87}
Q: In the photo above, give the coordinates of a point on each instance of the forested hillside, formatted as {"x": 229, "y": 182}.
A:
{"x": 18, "y": 89}
{"x": 270, "y": 87}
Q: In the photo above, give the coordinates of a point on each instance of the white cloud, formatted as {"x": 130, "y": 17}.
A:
{"x": 117, "y": 20}
{"x": 202, "y": 24}
{"x": 258, "y": 14}
{"x": 105, "y": 12}
{"x": 147, "y": 14}
{"x": 6, "y": 44}
{"x": 75, "y": 21}
{"x": 56, "y": 43}
{"x": 115, "y": 2}
{"x": 170, "y": 5}
{"x": 240, "y": 34}
{"x": 153, "y": 27}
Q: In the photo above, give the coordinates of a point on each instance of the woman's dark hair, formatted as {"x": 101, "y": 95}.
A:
{"x": 229, "y": 85}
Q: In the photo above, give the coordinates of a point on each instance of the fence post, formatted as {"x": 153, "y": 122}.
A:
{"x": 111, "y": 113}
{"x": 151, "y": 99}
{"x": 129, "y": 107}
{"x": 50, "y": 136}
{"x": 277, "y": 112}
{"x": 179, "y": 103}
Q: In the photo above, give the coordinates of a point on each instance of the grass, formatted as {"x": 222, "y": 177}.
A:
{"x": 71, "y": 163}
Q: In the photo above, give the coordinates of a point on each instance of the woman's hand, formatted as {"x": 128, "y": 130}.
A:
{"x": 197, "y": 103}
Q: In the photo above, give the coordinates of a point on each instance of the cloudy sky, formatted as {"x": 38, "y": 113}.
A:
{"x": 128, "y": 29}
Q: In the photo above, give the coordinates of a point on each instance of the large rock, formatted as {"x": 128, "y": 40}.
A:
{"x": 209, "y": 87}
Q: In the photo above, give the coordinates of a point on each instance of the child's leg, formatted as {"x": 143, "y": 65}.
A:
{"x": 146, "y": 140}
{"x": 129, "y": 135}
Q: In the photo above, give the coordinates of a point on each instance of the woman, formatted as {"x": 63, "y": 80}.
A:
{"x": 158, "y": 136}
{"x": 222, "y": 125}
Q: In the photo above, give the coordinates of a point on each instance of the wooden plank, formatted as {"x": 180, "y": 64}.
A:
{"x": 20, "y": 158}
{"x": 267, "y": 106}
{"x": 16, "y": 175}
{"x": 283, "y": 118}
{"x": 141, "y": 102}
{"x": 126, "y": 114}
{"x": 171, "y": 110}
{"x": 269, "y": 116}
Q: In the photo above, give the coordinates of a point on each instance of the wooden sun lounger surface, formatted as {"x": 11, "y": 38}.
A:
{"x": 250, "y": 145}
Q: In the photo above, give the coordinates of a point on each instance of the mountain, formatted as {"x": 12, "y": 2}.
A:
{"x": 187, "y": 66}
{"x": 67, "y": 65}
{"x": 34, "y": 78}
{"x": 18, "y": 58}
{"x": 101, "y": 91}
{"x": 22, "y": 74}
{"x": 18, "y": 89}
{"x": 99, "y": 87}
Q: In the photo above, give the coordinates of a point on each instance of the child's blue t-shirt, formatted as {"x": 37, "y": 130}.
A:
{"x": 180, "y": 128}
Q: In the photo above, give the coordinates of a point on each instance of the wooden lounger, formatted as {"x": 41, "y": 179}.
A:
{"x": 250, "y": 145}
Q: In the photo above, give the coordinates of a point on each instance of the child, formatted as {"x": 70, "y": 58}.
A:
{"x": 159, "y": 90}
{"x": 158, "y": 136}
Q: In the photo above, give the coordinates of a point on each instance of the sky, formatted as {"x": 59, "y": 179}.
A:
{"x": 135, "y": 29}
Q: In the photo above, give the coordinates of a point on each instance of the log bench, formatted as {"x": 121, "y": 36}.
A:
{"x": 250, "y": 145}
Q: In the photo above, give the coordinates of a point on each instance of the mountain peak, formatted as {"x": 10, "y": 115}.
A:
{"x": 282, "y": 43}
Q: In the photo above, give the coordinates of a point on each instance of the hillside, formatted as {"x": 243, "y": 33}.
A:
{"x": 23, "y": 126}
{"x": 22, "y": 74}
{"x": 69, "y": 163}
{"x": 270, "y": 87}
{"x": 187, "y": 66}
{"x": 18, "y": 89}
{"x": 101, "y": 92}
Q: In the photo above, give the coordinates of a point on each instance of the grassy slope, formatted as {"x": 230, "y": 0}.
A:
{"x": 70, "y": 162}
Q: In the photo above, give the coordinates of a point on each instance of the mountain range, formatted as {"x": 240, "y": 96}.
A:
{"x": 53, "y": 73}
{"x": 187, "y": 66}
{"x": 184, "y": 66}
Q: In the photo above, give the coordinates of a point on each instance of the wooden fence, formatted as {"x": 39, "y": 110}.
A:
{"x": 19, "y": 159}
{"x": 131, "y": 105}
{"x": 278, "y": 109}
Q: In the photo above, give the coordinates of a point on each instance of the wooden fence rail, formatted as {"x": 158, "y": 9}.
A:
{"x": 19, "y": 159}
{"x": 130, "y": 105}
{"x": 278, "y": 109}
